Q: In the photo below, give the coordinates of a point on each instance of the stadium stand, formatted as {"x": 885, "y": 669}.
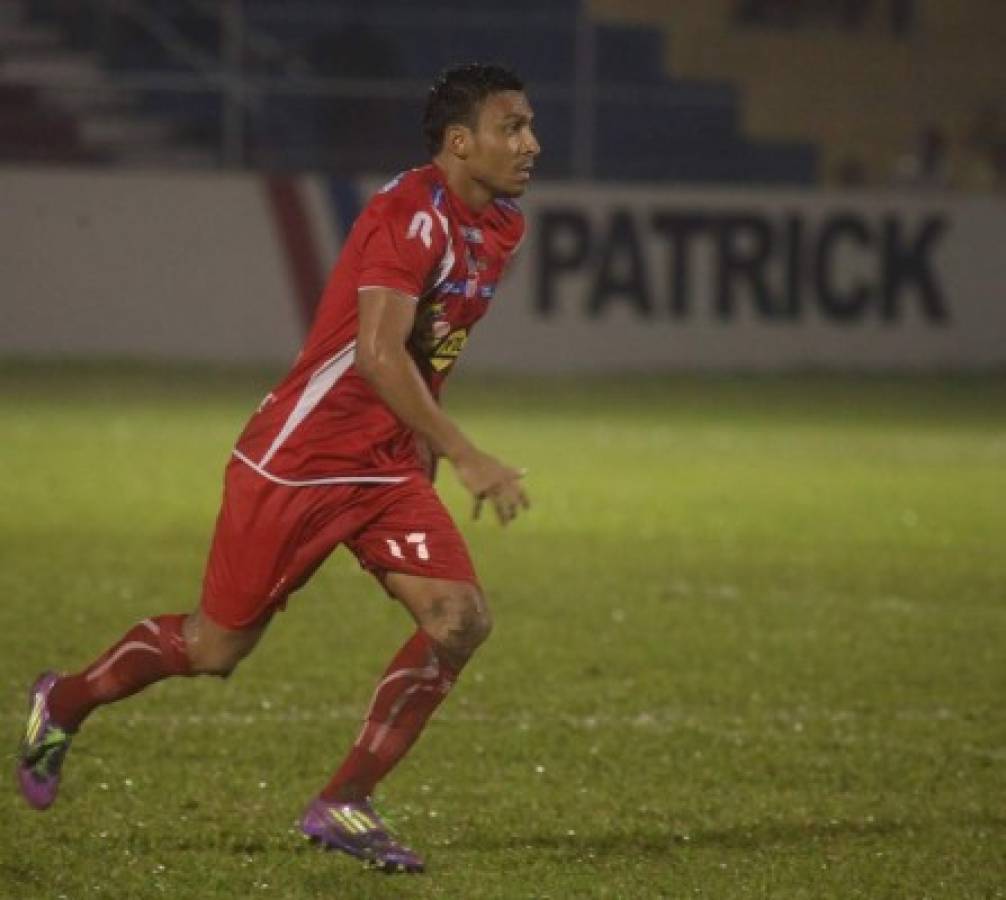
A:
{"x": 859, "y": 79}
{"x": 61, "y": 102}
{"x": 30, "y": 126}
{"x": 337, "y": 87}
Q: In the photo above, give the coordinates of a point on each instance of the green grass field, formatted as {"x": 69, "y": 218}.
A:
{"x": 749, "y": 643}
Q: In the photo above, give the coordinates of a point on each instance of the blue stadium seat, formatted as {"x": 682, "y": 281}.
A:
{"x": 629, "y": 54}
{"x": 717, "y": 163}
{"x": 647, "y": 125}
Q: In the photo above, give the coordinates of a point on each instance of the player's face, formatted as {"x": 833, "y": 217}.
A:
{"x": 503, "y": 144}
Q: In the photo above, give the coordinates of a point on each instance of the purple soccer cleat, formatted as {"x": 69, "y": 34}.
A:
{"x": 43, "y": 747}
{"x": 355, "y": 828}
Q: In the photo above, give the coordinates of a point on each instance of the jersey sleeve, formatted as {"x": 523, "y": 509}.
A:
{"x": 401, "y": 249}
{"x": 520, "y": 230}
{"x": 512, "y": 236}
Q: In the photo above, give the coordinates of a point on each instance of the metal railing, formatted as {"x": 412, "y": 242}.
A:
{"x": 250, "y": 65}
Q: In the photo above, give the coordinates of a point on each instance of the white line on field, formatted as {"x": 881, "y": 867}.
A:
{"x": 849, "y": 727}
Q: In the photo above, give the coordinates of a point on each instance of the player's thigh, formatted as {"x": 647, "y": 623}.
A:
{"x": 269, "y": 539}
{"x": 412, "y": 533}
{"x": 417, "y": 552}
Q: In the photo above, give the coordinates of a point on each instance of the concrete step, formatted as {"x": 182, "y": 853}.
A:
{"x": 120, "y": 131}
{"x": 16, "y": 39}
{"x": 33, "y": 61}
{"x": 10, "y": 13}
{"x": 175, "y": 156}
{"x": 57, "y": 69}
{"x": 98, "y": 100}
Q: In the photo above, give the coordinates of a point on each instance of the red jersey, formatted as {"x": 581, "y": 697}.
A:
{"x": 324, "y": 423}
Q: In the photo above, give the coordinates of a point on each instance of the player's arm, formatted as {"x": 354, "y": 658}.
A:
{"x": 386, "y": 318}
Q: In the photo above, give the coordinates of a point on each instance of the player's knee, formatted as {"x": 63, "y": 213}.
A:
{"x": 215, "y": 650}
{"x": 216, "y": 658}
{"x": 218, "y": 661}
{"x": 461, "y": 621}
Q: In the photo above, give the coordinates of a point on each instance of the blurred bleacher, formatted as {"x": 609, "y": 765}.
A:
{"x": 333, "y": 86}
{"x": 862, "y": 80}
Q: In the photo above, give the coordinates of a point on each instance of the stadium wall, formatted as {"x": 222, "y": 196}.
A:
{"x": 228, "y": 268}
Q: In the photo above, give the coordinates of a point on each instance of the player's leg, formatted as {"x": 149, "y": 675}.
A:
{"x": 157, "y": 648}
{"x": 453, "y": 614}
{"x": 453, "y": 620}
{"x": 234, "y": 612}
{"x": 416, "y": 550}
{"x": 216, "y": 650}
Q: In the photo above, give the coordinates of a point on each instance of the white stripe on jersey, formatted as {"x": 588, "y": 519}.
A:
{"x": 381, "y": 287}
{"x": 447, "y": 260}
{"x": 322, "y": 380}
{"x": 310, "y": 482}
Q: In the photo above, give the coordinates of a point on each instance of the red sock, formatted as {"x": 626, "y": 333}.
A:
{"x": 152, "y": 650}
{"x": 412, "y": 687}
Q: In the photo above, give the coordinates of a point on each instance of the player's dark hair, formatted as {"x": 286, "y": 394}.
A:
{"x": 456, "y": 96}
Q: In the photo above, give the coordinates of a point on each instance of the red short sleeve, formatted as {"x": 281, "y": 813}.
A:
{"x": 401, "y": 249}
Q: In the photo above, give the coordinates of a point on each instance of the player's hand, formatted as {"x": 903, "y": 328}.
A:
{"x": 486, "y": 478}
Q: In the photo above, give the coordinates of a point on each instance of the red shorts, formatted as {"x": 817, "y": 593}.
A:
{"x": 270, "y": 538}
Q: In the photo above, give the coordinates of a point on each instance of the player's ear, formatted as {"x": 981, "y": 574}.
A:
{"x": 458, "y": 140}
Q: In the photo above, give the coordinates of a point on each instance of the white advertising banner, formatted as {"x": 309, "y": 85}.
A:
{"x": 652, "y": 279}
{"x": 228, "y": 268}
{"x": 134, "y": 265}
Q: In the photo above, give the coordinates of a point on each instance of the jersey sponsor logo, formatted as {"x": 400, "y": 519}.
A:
{"x": 451, "y": 287}
{"x": 448, "y": 350}
{"x": 475, "y": 265}
{"x": 485, "y": 291}
{"x": 432, "y": 326}
{"x": 422, "y": 225}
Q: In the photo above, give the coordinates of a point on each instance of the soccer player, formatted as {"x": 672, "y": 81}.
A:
{"x": 343, "y": 451}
